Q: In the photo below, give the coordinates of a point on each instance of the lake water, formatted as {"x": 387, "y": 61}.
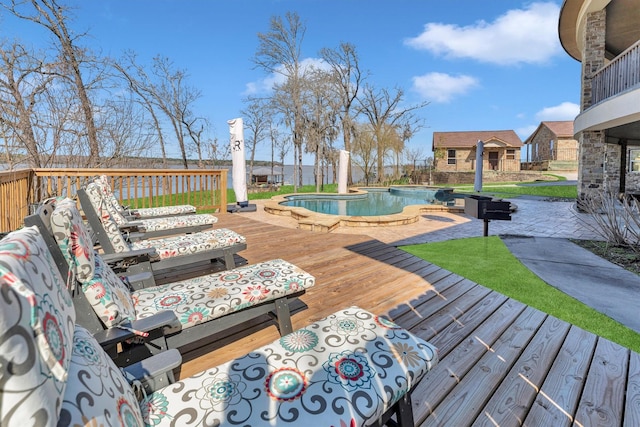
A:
{"x": 308, "y": 174}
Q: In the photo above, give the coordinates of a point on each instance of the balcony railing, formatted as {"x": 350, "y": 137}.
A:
{"x": 617, "y": 76}
{"x": 204, "y": 189}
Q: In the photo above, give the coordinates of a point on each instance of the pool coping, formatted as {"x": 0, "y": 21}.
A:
{"x": 315, "y": 221}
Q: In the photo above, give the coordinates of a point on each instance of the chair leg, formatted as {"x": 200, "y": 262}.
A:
{"x": 229, "y": 261}
{"x": 404, "y": 411}
{"x": 283, "y": 316}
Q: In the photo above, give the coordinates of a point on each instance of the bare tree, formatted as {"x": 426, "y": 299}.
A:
{"x": 279, "y": 52}
{"x": 175, "y": 99}
{"x": 22, "y": 85}
{"x": 413, "y": 156}
{"x": 347, "y": 78}
{"x": 387, "y": 119}
{"x": 319, "y": 114}
{"x": 281, "y": 145}
{"x": 139, "y": 84}
{"x": 195, "y": 128}
{"x": 55, "y": 17}
{"x": 124, "y": 131}
{"x": 257, "y": 123}
{"x": 364, "y": 152}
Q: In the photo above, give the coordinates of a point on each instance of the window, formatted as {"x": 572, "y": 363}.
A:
{"x": 451, "y": 157}
{"x": 634, "y": 160}
{"x": 511, "y": 154}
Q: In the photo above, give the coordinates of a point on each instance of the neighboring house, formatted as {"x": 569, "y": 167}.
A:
{"x": 266, "y": 175}
{"x": 551, "y": 147}
{"x": 605, "y": 37}
{"x": 456, "y": 151}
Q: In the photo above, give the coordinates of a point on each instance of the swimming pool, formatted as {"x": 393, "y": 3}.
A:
{"x": 374, "y": 201}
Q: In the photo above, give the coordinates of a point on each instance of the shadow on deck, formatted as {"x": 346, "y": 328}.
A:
{"x": 502, "y": 363}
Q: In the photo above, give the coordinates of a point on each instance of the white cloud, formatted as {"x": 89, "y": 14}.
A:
{"x": 563, "y": 111}
{"x": 441, "y": 87}
{"x": 266, "y": 85}
{"x": 528, "y": 36}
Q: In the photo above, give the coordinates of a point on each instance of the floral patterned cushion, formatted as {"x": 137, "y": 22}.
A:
{"x": 110, "y": 225}
{"x": 190, "y": 243}
{"x": 170, "y": 222}
{"x": 102, "y": 204}
{"x": 347, "y": 369}
{"x": 208, "y": 297}
{"x": 110, "y": 298}
{"x": 36, "y": 328}
{"x": 164, "y": 210}
{"x": 97, "y": 393}
{"x": 107, "y": 294}
{"x": 73, "y": 238}
{"x": 103, "y": 182}
{"x": 107, "y": 193}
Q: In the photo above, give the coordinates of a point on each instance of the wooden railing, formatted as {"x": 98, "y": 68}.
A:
{"x": 15, "y": 198}
{"x": 22, "y": 189}
{"x": 617, "y": 76}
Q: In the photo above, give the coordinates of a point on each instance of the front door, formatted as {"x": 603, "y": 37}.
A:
{"x": 493, "y": 160}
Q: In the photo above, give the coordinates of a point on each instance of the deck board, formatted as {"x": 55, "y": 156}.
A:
{"x": 502, "y": 363}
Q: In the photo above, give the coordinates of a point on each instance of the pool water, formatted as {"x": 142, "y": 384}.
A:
{"x": 375, "y": 202}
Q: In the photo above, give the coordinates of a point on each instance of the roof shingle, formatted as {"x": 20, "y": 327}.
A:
{"x": 469, "y": 139}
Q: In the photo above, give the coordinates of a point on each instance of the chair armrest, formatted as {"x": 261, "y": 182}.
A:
{"x": 132, "y": 224}
{"x": 136, "y": 254}
{"x": 137, "y": 281}
{"x": 134, "y": 236}
{"x": 155, "y": 371}
{"x": 115, "y": 335}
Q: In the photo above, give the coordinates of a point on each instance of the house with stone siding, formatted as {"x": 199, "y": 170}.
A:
{"x": 604, "y": 36}
{"x": 551, "y": 147}
{"x": 456, "y": 151}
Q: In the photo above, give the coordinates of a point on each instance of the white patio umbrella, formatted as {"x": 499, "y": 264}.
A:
{"x": 236, "y": 129}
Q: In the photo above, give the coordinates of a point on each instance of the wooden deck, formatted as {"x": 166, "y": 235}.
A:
{"x": 501, "y": 363}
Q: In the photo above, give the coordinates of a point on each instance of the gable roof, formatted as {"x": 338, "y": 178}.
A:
{"x": 469, "y": 139}
{"x": 561, "y": 129}
{"x": 266, "y": 171}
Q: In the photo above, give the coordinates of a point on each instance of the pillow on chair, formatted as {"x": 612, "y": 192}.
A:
{"x": 97, "y": 390}
{"x": 73, "y": 239}
{"x": 36, "y": 329}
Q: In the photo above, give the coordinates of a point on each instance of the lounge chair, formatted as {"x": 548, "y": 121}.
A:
{"x": 352, "y": 368}
{"x": 141, "y": 213}
{"x": 39, "y": 340}
{"x": 98, "y": 209}
{"x": 169, "y": 252}
{"x": 202, "y": 306}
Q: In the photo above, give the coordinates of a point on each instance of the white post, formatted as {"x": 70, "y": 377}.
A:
{"x": 477, "y": 184}
{"x": 343, "y": 166}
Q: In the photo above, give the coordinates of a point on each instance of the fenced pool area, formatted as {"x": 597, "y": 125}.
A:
{"x": 365, "y": 207}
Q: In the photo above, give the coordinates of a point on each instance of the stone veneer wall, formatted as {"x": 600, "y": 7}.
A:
{"x": 440, "y": 178}
{"x": 592, "y": 144}
{"x": 541, "y": 140}
{"x": 632, "y": 182}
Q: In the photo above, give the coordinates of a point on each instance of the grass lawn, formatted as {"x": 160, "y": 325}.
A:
{"x": 487, "y": 261}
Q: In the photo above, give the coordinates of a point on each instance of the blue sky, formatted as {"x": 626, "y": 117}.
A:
{"x": 481, "y": 65}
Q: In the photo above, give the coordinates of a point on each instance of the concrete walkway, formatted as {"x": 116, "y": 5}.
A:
{"x": 600, "y": 284}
